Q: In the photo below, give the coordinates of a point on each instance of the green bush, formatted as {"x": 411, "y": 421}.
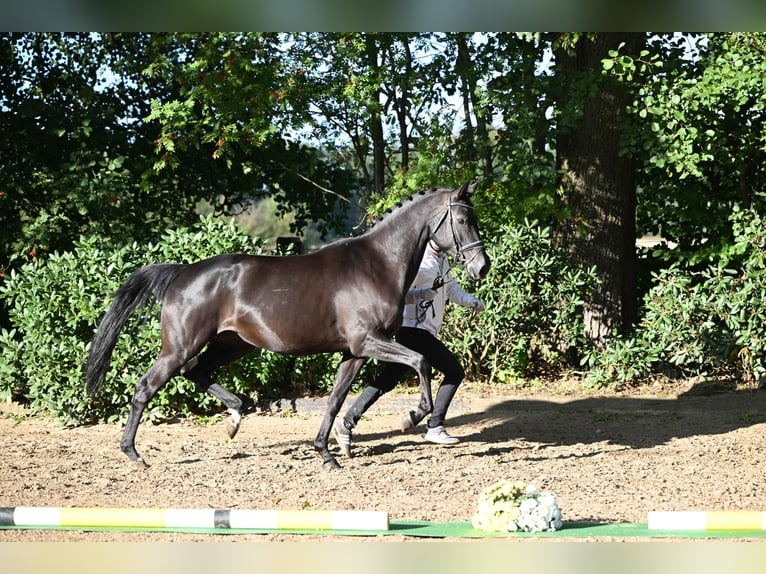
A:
{"x": 698, "y": 322}
{"x": 533, "y": 317}
{"x": 56, "y": 303}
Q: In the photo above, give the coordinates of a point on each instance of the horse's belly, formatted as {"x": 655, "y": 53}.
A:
{"x": 288, "y": 334}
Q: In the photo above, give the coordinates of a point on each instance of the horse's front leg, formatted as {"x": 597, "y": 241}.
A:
{"x": 426, "y": 405}
{"x": 347, "y": 370}
{"x": 394, "y": 352}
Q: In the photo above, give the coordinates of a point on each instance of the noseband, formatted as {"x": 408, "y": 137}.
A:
{"x": 459, "y": 248}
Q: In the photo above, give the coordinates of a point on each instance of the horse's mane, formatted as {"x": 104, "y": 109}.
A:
{"x": 399, "y": 204}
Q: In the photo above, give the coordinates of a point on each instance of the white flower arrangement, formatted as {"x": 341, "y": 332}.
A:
{"x": 510, "y": 506}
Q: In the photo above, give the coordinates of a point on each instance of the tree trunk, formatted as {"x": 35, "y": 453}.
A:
{"x": 403, "y": 103}
{"x": 376, "y": 122}
{"x": 462, "y": 65}
{"x": 477, "y": 143}
{"x": 598, "y": 184}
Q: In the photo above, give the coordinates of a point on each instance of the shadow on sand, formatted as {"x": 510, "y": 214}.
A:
{"x": 632, "y": 422}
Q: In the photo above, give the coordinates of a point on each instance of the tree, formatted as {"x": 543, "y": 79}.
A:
{"x": 74, "y": 156}
{"x": 373, "y": 96}
{"x": 514, "y": 97}
{"x": 469, "y": 70}
{"x": 236, "y": 104}
{"x": 598, "y": 181}
{"x": 704, "y": 146}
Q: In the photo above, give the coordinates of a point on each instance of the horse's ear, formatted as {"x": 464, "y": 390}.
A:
{"x": 466, "y": 190}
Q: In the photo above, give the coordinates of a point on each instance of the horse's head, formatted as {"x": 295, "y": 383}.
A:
{"x": 457, "y": 232}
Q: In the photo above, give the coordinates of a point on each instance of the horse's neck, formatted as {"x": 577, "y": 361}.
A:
{"x": 404, "y": 237}
{"x": 413, "y": 263}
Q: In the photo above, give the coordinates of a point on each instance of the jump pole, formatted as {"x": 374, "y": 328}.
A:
{"x": 31, "y": 516}
{"x": 709, "y": 520}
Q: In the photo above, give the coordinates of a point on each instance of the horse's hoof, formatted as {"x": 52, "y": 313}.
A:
{"x": 408, "y": 422}
{"x": 232, "y": 428}
{"x": 140, "y": 464}
{"x": 330, "y": 464}
{"x": 232, "y": 425}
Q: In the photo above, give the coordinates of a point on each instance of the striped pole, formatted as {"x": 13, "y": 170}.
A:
{"x": 711, "y": 520}
{"x": 41, "y": 516}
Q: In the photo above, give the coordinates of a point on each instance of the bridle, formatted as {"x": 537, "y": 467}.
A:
{"x": 459, "y": 248}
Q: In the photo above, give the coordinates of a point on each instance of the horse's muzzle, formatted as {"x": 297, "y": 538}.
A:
{"x": 478, "y": 266}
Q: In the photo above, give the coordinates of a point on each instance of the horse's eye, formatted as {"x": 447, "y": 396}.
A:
{"x": 461, "y": 221}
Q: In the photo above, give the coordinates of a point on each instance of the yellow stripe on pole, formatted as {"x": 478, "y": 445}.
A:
{"x": 304, "y": 520}
{"x": 734, "y": 520}
{"x": 134, "y": 517}
{"x": 710, "y": 520}
{"x": 189, "y": 518}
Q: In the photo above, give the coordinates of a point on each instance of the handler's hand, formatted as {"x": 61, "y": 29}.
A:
{"x": 429, "y": 295}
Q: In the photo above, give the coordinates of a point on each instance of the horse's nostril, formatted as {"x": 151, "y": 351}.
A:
{"x": 477, "y": 272}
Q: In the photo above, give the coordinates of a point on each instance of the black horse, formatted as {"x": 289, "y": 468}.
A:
{"x": 346, "y": 297}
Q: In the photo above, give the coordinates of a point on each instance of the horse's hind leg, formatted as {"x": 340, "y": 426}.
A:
{"x": 154, "y": 379}
{"x": 347, "y": 370}
{"x": 222, "y": 350}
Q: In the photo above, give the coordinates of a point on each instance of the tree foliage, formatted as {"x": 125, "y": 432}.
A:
{"x": 698, "y": 321}
{"x": 699, "y": 130}
{"x": 74, "y": 160}
{"x": 236, "y": 101}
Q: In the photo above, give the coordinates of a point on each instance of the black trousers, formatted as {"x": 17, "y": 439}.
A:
{"x": 440, "y": 358}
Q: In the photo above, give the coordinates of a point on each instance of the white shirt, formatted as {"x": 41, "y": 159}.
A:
{"x": 427, "y": 314}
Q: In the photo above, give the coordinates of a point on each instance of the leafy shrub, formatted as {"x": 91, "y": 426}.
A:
{"x": 533, "y": 299}
{"x": 698, "y": 322}
{"x": 56, "y": 303}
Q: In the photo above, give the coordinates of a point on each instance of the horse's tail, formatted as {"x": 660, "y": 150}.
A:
{"x": 135, "y": 292}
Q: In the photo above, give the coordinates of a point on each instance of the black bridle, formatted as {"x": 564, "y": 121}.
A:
{"x": 459, "y": 248}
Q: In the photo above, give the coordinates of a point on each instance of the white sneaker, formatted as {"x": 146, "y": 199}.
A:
{"x": 343, "y": 437}
{"x": 438, "y": 435}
